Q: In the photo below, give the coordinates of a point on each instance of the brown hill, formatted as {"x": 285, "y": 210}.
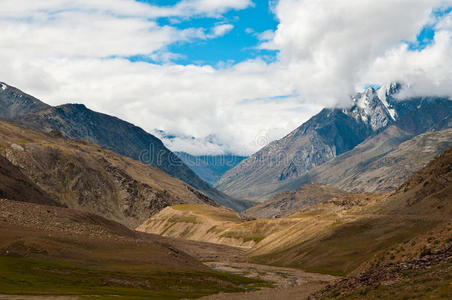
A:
{"x": 428, "y": 191}
{"x": 212, "y": 224}
{"x": 84, "y": 176}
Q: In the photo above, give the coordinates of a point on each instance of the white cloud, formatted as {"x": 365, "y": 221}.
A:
{"x": 221, "y": 29}
{"x": 425, "y": 73}
{"x": 266, "y": 36}
{"x": 210, "y": 7}
{"x": 70, "y": 51}
{"x": 185, "y": 8}
{"x": 330, "y": 45}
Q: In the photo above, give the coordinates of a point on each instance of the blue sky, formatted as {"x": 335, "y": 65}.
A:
{"x": 238, "y": 45}
{"x": 427, "y": 34}
{"x": 241, "y": 43}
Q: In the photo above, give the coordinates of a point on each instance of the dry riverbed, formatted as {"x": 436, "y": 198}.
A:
{"x": 289, "y": 283}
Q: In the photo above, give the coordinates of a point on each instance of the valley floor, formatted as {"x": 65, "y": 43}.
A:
{"x": 288, "y": 283}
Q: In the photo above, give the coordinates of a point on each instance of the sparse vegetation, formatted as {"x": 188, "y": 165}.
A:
{"x": 50, "y": 277}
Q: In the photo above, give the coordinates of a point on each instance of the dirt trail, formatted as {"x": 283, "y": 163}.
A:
{"x": 289, "y": 283}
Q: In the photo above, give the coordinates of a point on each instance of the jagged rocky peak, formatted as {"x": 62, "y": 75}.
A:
{"x": 375, "y": 107}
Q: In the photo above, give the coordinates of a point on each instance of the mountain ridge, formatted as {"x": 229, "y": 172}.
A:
{"x": 77, "y": 121}
{"x": 331, "y": 133}
{"x": 81, "y": 175}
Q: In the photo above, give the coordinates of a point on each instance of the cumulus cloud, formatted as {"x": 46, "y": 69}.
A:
{"x": 184, "y": 8}
{"x": 221, "y": 29}
{"x": 331, "y": 45}
{"x": 75, "y": 51}
{"x": 424, "y": 73}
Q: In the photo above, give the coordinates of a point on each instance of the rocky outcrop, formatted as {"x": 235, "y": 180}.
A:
{"x": 386, "y": 274}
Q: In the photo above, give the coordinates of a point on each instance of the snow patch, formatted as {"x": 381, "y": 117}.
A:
{"x": 383, "y": 94}
{"x": 4, "y": 87}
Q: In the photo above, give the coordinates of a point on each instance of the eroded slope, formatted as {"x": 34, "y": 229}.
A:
{"x": 84, "y": 176}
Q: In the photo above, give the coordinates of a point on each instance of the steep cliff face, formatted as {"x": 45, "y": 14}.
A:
{"x": 331, "y": 133}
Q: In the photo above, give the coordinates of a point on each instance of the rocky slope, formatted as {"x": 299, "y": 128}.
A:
{"x": 378, "y": 227}
{"x": 14, "y": 103}
{"x": 210, "y": 167}
{"x": 329, "y": 134}
{"x": 413, "y": 268}
{"x": 379, "y": 164}
{"x": 77, "y": 121}
{"x": 84, "y": 176}
{"x": 425, "y": 277}
{"x": 288, "y": 203}
{"x": 14, "y": 185}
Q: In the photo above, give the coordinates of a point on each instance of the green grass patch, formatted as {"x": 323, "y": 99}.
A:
{"x": 346, "y": 246}
{"x": 184, "y": 219}
{"x": 49, "y": 277}
{"x": 244, "y": 236}
{"x": 210, "y": 212}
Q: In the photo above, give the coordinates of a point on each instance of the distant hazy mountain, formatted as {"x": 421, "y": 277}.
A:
{"x": 76, "y": 121}
{"x": 331, "y": 133}
{"x": 210, "y": 167}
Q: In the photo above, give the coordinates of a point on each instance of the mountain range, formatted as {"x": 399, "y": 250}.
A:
{"x": 332, "y": 132}
{"x": 76, "y": 121}
{"x": 360, "y": 196}
{"x": 325, "y": 229}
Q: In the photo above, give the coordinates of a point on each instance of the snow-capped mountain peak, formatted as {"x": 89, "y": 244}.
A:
{"x": 375, "y": 106}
